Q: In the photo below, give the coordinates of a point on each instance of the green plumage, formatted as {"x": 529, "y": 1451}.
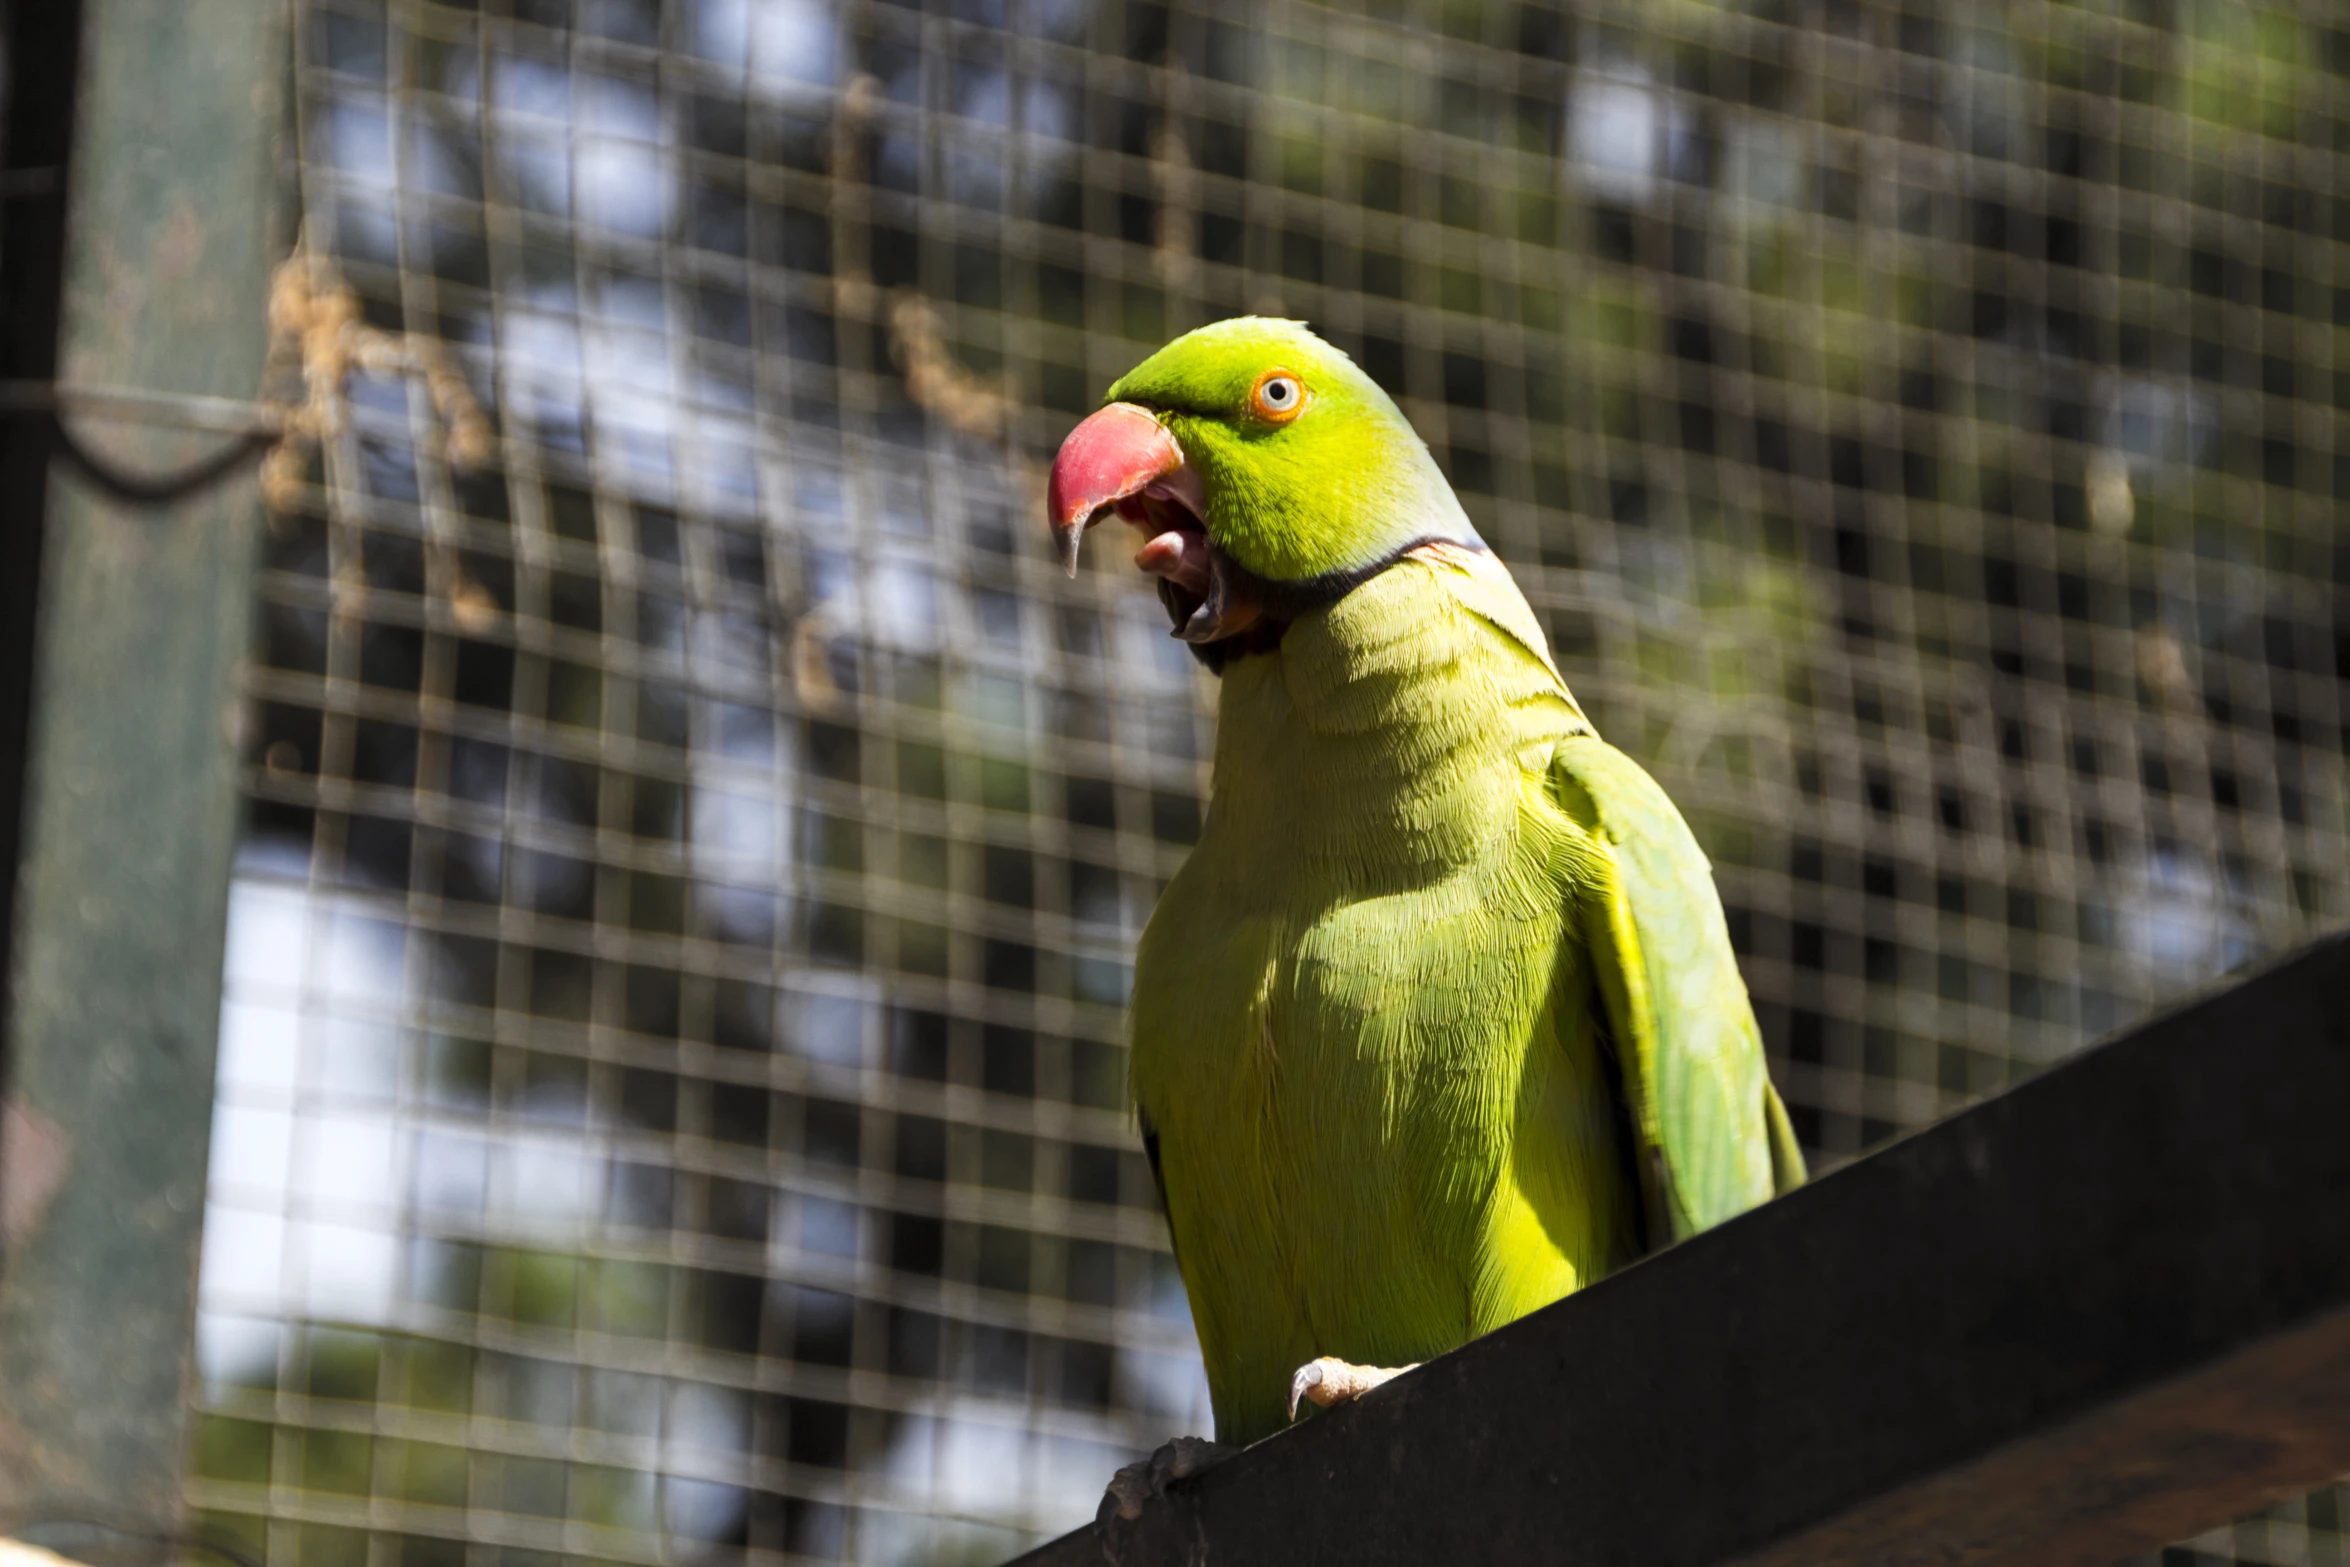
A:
{"x": 1440, "y": 1020}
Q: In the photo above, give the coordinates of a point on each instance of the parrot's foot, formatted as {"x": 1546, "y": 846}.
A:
{"x": 1330, "y": 1381}
{"x": 1136, "y": 1484}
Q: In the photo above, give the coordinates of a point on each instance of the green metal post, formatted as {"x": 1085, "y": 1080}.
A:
{"x": 129, "y": 792}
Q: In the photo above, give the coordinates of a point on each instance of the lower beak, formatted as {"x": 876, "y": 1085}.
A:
{"x": 1115, "y": 455}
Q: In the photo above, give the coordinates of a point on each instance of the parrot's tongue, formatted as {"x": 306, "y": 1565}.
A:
{"x": 1175, "y": 550}
{"x": 1179, "y": 556}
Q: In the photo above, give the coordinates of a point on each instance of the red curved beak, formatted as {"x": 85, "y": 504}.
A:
{"x": 1113, "y": 456}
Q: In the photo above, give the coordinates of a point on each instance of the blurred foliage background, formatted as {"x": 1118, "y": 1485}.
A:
{"x": 670, "y": 1092}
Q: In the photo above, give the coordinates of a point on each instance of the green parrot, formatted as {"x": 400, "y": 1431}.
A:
{"x": 1439, "y": 1021}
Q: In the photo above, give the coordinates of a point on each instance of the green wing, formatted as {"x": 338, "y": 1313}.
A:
{"x": 1714, "y": 1138}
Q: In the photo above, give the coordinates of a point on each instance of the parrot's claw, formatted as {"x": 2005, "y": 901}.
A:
{"x": 1132, "y": 1487}
{"x": 1329, "y": 1381}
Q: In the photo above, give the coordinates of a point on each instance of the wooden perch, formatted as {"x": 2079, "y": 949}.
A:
{"x": 2099, "y": 1313}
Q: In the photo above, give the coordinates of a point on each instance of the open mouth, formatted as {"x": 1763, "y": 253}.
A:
{"x": 1122, "y": 460}
{"x": 1175, "y": 545}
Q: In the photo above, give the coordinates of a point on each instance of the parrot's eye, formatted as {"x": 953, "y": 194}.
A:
{"x": 1278, "y": 396}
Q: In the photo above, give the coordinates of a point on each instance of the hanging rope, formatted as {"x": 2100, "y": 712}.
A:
{"x": 314, "y": 321}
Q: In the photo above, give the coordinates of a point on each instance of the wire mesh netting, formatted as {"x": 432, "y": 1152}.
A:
{"x": 671, "y": 1072}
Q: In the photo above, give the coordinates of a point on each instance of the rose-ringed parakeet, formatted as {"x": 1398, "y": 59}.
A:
{"x": 1439, "y": 1021}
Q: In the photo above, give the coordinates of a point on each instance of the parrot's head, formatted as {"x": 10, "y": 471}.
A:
{"x": 1265, "y": 470}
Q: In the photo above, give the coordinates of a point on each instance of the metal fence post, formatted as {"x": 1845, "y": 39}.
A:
{"x": 129, "y": 786}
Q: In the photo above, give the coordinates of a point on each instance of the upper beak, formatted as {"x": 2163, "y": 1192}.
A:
{"x": 1114, "y": 455}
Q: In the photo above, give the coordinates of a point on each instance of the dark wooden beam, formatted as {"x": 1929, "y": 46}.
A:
{"x": 2101, "y": 1312}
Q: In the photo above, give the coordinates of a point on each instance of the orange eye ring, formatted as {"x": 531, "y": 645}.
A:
{"x": 1278, "y": 396}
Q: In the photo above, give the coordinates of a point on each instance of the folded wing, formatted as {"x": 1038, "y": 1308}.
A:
{"x": 1714, "y": 1138}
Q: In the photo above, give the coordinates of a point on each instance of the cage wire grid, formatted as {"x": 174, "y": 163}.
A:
{"x": 671, "y": 1070}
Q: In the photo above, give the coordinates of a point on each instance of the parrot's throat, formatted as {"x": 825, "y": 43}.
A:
{"x": 1263, "y": 607}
